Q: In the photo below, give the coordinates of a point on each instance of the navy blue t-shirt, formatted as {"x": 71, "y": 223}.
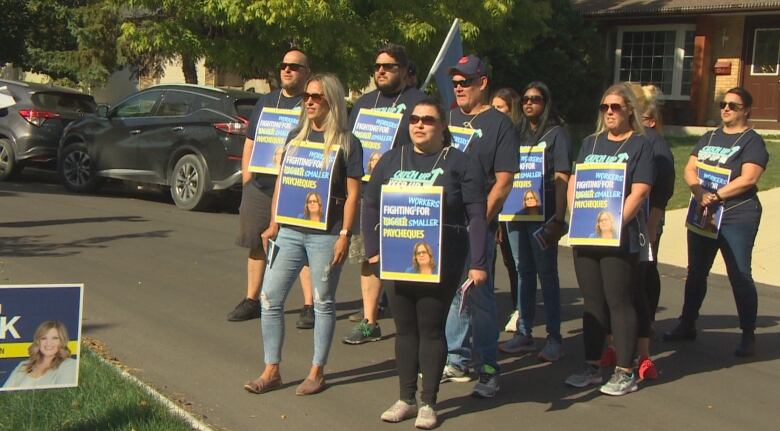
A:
{"x": 663, "y": 180}
{"x": 397, "y": 103}
{"x": 350, "y": 166}
{"x": 495, "y": 142}
{"x": 730, "y": 151}
{"x": 274, "y": 99}
{"x": 557, "y": 158}
{"x": 636, "y": 152}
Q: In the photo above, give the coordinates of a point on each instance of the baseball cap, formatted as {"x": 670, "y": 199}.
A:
{"x": 469, "y": 65}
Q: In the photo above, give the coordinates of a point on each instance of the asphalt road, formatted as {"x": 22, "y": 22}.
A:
{"x": 159, "y": 282}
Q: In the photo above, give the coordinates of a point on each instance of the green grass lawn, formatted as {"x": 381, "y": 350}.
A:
{"x": 103, "y": 401}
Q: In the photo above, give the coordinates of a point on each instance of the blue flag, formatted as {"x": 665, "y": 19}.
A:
{"x": 449, "y": 54}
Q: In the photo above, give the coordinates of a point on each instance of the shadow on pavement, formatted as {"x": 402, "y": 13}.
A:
{"x": 55, "y": 222}
{"x": 36, "y": 246}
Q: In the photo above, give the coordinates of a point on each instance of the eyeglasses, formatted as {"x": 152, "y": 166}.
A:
{"x": 292, "y": 66}
{"x": 530, "y": 198}
{"x": 536, "y": 100}
{"x": 421, "y": 252}
{"x": 428, "y": 120}
{"x": 312, "y": 201}
{"x": 315, "y": 97}
{"x": 388, "y": 67}
{"x": 465, "y": 83}
{"x": 615, "y": 107}
{"x": 733, "y": 106}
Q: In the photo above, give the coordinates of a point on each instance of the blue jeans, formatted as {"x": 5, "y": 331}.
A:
{"x": 297, "y": 249}
{"x": 476, "y": 330}
{"x": 735, "y": 243}
{"x": 531, "y": 261}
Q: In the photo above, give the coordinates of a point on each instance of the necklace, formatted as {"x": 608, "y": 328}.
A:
{"x": 379, "y": 93}
{"x": 471, "y": 120}
{"x": 732, "y": 145}
{"x": 619, "y": 148}
{"x": 441, "y": 152}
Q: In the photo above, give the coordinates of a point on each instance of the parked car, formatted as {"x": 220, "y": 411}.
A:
{"x": 186, "y": 137}
{"x": 31, "y": 128}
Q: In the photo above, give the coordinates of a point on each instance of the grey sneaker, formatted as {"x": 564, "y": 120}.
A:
{"x": 247, "y": 309}
{"x": 518, "y": 344}
{"x": 487, "y": 386}
{"x": 363, "y": 332}
{"x": 306, "y": 319}
{"x": 552, "y": 351}
{"x": 426, "y": 418}
{"x": 621, "y": 383}
{"x": 590, "y": 375}
{"x": 399, "y": 411}
{"x": 452, "y": 373}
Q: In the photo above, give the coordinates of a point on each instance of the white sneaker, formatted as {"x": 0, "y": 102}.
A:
{"x": 426, "y": 418}
{"x": 511, "y": 325}
{"x": 399, "y": 411}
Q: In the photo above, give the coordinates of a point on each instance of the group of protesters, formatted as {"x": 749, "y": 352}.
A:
{"x": 442, "y": 334}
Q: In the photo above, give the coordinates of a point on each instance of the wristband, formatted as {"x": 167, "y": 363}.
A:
{"x": 720, "y": 199}
{"x": 345, "y": 232}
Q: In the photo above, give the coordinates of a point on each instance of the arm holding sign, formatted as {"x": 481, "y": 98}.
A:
{"x": 246, "y": 176}
{"x": 751, "y": 173}
{"x": 634, "y": 201}
{"x": 498, "y": 193}
{"x": 691, "y": 176}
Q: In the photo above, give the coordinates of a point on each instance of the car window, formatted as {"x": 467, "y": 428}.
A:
{"x": 202, "y": 101}
{"x": 64, "y": 102}
{"x": 140, "y": 105}
{"x": 175, "y": 104}
{"x": 244, "y": 107}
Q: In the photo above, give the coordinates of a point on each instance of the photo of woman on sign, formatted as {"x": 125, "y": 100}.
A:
{"x": 605, "y": 226}
{"x": 49, "y": 363}
{"x": 278, "y": 152}
{"x": 422, "y": 259}
{"x": 312, "y": 210}
{"x": 531, "y": 203}
{"x": 373, "y": 160}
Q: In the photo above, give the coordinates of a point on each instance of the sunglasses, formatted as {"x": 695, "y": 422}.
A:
{"x": 315, "y": 97}
{"x": 465, "y": 83}
{"x": 388, "y": 67}
{"x": 615, "y": 107}
{"x": 733, "y": 106}
{"x": 536, "y": 100}
{"x": 428, "y": 120}
{"x": 292, "y": 66}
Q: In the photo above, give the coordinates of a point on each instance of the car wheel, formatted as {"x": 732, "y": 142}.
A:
{"x": 77, "y": 170}
{"x": 9, "y": 166}
{"x": 188, "y": 184}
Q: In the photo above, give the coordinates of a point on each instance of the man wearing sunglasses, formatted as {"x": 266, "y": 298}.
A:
{"x": 472, "y": 336}
{"x": 394, "y": 95}
{"x": 255, "y": 210}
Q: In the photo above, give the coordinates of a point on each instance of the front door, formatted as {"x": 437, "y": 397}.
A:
{"x": 761, "y": 72}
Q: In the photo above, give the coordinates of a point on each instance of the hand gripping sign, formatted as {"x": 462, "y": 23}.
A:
{"x": 377, "y": 131}
{"x": 526, "y": 200}
{"x": 410, "y": 233}
{"x": 305, "y": 185}
{"x": 40, "y": 333}
{"x": 705, "y": 221}
{"x": 597, "y": 212}
{"x": 273, "y": 126}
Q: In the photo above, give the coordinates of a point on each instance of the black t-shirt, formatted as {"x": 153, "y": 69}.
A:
{"x": 494, "y": 144}
{"x": 636, "y": 152}
{"x": 274, "y": 99}
{"x": 350, "y": 166}
{"x": 557, "y": 158}
{"x": 730, "y": 151}
{"x": 397, "y": 103}
{"x": 663, "y": 180}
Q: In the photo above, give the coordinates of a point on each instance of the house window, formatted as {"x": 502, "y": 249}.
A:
{"x": 658, "y": 55}
{"x": 766, "y": 52}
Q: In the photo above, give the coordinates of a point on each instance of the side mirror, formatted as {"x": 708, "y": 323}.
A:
{"x": 102, "y": 111}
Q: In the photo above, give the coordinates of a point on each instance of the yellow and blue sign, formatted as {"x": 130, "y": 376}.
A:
{"x": 376, "y": 131}
{"x": 705, "y": 221}
{"x": 461, "y": 137}
{"x": 597, "y": 212}
{"x": 526, "y": 200}
{"x": 273, "y": 126}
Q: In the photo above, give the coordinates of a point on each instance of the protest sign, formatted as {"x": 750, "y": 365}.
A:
{"x": 597, "y": 213}
{"x": 461, "y": 137}
{"x": 304, "y": 189}
{"x": 38, "y": 323}
{"x": 526, "y": 200}
{"x": 705, "y": 221}
{"x": 377, "y": 131}
{"x": 410, "y": 233}
{"x": 273, "y": 126}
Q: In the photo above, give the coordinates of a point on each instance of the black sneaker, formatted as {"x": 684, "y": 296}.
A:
{"x": 247, "y": 309}
{"x": 363, "y": 332}
{"x": 306, "y": 319}
{"x": 684, "y": 331}
{"x": 747, "y": 347}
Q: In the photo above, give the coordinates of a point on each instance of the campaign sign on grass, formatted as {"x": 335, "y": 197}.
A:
{"x": 597, "y": 213}
{"x": 377, "y": 131}
{"x": 40, "y": 326}
{"x": 461, "y": 137}
{"x": 273, "y": 126}
{"x": 410, "y": 233}
{"x": 526, "y": 200}
{"x": 304, "y": 189}
{"x": 705, "y": 221}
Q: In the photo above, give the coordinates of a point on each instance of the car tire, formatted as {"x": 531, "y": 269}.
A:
{"x": 9, "y": 166}
{"x": 189, "y": 180}
{"x": 77, "y": 170}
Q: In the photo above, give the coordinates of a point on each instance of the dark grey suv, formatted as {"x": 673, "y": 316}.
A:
{"x": 31, "y": 128}
{"x": 186, "y": 137}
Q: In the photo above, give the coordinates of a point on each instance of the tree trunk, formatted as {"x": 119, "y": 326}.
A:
{"x": 189, "y": 69}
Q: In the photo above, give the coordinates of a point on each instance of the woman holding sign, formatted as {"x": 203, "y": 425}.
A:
{"x": 543, "y": 135}
{"x": 739, "y": 154}
{"x": 333, "y": 159}
{"x": 607, "y": 274}
{"x": 419, "y": 308}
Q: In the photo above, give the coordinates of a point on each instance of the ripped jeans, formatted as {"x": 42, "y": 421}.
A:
{"x": 295, "y": 250}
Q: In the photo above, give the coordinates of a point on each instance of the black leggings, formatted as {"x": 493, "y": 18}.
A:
{"x": 509, "y": 263}
{"x": 607, "y": 279}
{"x": 648, "y": 294}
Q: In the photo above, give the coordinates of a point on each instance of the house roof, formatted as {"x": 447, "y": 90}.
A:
{"x": 605, "y": 8}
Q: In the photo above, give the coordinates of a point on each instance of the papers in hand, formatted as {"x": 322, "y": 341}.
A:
{"x": 464, "y": 290}
{"x": 273, "y": 250}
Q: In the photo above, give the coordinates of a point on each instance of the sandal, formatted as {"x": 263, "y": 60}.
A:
{"x": 261, "y": 386}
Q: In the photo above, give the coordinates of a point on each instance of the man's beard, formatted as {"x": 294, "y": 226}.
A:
{"x": 390, "y": 86}
{"x": 292, "y": 87}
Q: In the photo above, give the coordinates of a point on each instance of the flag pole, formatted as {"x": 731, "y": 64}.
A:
{"x": 440, "y": 56}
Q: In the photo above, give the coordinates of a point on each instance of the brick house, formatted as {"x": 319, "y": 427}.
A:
{"x": 694, "y": 50}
